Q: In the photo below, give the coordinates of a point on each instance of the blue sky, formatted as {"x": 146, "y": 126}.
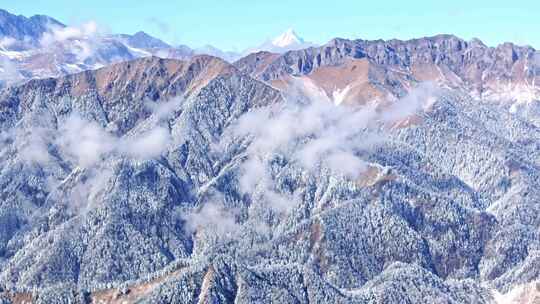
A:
{"x": 239, "y": 24}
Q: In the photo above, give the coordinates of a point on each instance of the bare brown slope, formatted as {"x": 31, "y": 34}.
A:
{"x": 147, "y": 76}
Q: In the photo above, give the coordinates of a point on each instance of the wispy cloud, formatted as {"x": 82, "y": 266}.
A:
{"x": 313, "y": 132}
{"x": 310, "y": 133}
{"x": 58, "y": 34}
{"x": 212, "y": 217}
{"x": 86, "y": 145}
{"x": 164, "y": 109}
{"x": 82, "y": 40}
{"x": 148, "y": 145}
{"x": 33, "y": 145}
{"x": 84, "y": 142}
{"x": 421, "y": 97}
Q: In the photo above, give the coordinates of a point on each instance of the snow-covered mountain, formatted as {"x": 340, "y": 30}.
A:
{"x": 40, "y": 47}
{"x": 167, "y": 181}
{"x": 287, "y": 41}
{"x": 400, "y": 171}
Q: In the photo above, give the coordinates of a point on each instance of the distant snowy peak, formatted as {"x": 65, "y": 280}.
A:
{"x": 287, "y": 39}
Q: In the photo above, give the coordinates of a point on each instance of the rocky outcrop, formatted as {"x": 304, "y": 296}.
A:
{"x": 506, "y": 72}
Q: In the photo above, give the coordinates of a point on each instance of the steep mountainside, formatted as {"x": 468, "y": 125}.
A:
{"x": 166, "y": 181}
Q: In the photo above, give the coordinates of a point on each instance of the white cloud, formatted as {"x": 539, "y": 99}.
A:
{"x": 316, "y": 133}
{"x": 163, "y": 53}
{"x": 57, "y": 34}
{"x": 316, "y": 130}
{"x": 252, "y": 172}
{"x": 86, "y": 143}
{"x": 164, "y": 109}
{"x": 82, "y": 40}
{"x": 212, "y": 217}
{"x": 83, "y": 141}
{"x": 147, "y": 145}
{"x": 420, "y": 98}
{"x": 277, "y": 201}
{"x": 346, "y": 163}
{"x": 33, "y": 147}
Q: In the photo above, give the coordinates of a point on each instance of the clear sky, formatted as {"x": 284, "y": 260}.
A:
{"x": 239, "y": 24}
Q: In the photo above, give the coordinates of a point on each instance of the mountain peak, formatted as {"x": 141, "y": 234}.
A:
{"x": 143, "y": 40}
{"x": 285, "y": 42}
{"x": 142, "y": 35}
{"x": 288, "y": 38}
{"x": 25, "y": 29}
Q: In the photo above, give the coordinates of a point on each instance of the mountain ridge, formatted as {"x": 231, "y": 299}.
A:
{"x": 354, "y": 172}
{"x": 395, "y": 65}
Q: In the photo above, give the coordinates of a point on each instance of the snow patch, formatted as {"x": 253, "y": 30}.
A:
{"x": 338, "y": 96}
